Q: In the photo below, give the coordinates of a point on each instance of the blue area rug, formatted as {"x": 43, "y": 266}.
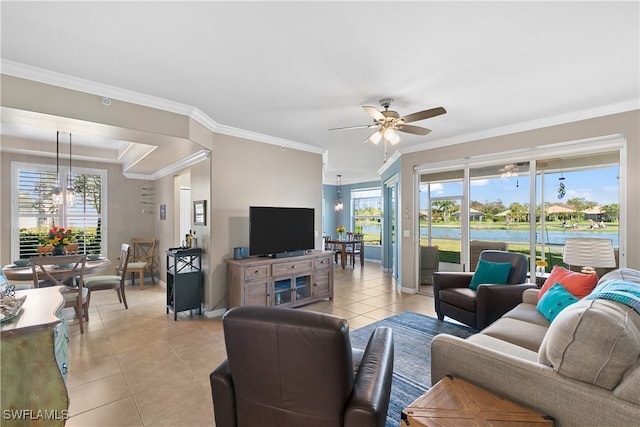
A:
{"x": 412, "y": 335}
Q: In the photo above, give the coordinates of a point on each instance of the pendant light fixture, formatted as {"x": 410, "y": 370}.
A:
{"x": 338, "y": 206}
{"x": 56, "y": 195}
{"x": 71, "y": 193}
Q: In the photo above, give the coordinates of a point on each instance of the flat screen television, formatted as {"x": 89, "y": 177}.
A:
{"x": 280, "y": 231}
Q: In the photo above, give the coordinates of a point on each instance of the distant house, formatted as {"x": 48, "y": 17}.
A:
{"x": 474, "y": 215}
{"x": 595, "y": 213}
{"x": 559, "y": 212}
{"x": 504, "y": 214}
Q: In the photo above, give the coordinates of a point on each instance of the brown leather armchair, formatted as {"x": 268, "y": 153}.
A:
{"x": 479, "y": 308}
{"x": 288, "y": 367}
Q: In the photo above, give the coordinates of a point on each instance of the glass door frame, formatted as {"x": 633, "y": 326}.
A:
{"x": 532, "y": 155}
{"x": 391, "y": 256}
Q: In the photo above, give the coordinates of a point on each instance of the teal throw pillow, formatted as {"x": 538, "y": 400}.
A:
{"x": 556, "y": 299}
{"x": 494, "y": 273}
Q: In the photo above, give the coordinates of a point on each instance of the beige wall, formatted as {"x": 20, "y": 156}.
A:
{"x": 246, "y": 173}
{"x": 240, "y": 173}
{"x": 627, "y": 124}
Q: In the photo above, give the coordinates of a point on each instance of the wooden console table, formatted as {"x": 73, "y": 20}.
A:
{"x": 35, "y": 357}
{"x": 455, "y": 402}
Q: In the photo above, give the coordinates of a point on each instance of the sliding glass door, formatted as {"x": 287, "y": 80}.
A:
{"x": 440, "y": 225}
{"x": 529, "y": 205}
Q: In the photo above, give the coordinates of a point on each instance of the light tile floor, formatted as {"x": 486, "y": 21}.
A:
{"x": 139, "y": 367}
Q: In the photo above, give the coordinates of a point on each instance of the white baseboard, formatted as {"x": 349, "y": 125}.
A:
{"x": 215, "y": 313}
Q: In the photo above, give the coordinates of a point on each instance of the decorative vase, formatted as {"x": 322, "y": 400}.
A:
{"x": 341, "y": 235}
{"x": 59, "y": 250}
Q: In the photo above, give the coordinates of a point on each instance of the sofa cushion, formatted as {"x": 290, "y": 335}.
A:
{"x": 527, "y": 313}
{"x": 556, "y": 299}
{"x": 629, "y": 387}
{"x": 594, "y": 341}
{"x": 579, "y": 284}
{"x": 487, "y": 272}
{"x": 517, "y": 332}
{"x": 505, "y": 347}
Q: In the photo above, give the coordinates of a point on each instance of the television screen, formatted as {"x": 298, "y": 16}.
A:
{"x": 274, "y": 230}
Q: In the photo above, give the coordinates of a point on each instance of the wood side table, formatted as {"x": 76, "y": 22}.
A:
{"x": 455, "y": 402}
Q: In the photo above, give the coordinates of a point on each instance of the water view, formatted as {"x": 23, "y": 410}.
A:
{"x": 552, "y": 237}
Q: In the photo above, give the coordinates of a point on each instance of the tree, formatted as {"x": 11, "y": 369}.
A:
{"x": 612, "y": 211}
{"x": 518, "y": 211}
{"x": 90, "y": 187}
{"x": 445, "y": 207}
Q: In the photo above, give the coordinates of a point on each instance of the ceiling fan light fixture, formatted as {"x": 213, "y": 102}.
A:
{"x": 391, "y": 136}
{"x": 375, "y": 137}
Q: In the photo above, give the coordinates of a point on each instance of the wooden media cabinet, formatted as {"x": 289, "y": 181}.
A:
{"x": 285, "y": 282}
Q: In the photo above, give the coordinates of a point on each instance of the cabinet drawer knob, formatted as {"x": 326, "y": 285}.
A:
{"x": 293, "y": 266}
{"x": 256, "y": 272}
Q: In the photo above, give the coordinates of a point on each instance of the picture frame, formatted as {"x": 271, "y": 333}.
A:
{"x": 200, "y": 212}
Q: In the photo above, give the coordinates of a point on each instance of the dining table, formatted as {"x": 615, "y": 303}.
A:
{"x": 343, "y": 243}
{"x": 23, "y": 274}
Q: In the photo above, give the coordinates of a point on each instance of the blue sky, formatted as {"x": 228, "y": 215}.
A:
{"x": 598, "y": 185}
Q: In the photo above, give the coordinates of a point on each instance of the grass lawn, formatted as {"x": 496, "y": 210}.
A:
{"x": 450, "y": 249}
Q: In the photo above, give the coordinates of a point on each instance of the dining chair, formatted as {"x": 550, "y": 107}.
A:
{"x": 60, "y": 271}
{"x": 325, "y": 242}
{"x": 144, "y": 255}
{"x": 114, "y": 281}
{"x": 339, "y": 247}
{"x": 354, "y": 248}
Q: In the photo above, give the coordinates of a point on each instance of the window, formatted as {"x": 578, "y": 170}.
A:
{"x": 367, "y": 214}
{"x": 33, "y": 210}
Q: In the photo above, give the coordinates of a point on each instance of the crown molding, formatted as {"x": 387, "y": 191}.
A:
{"x": 175, "y": 167}
{"x": 590, "y": 113}
{"x": 283, "y": 143}
{"x": 395, "y": 156}
{"x": 73, "y": 83}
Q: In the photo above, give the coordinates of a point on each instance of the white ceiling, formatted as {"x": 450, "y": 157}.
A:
{"x": 292, "y": 70}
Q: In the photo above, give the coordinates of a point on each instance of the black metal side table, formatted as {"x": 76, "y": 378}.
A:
{"x": 184, "y": 280}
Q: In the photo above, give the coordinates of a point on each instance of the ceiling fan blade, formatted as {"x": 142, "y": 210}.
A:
{"x": 373, "y": 112}
{"x": 416, "y": 130}
{"x": 355, "y": 127}
{"x": 426, "y": 114}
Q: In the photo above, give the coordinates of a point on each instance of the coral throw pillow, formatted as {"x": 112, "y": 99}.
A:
{"x": 579, "y": 284}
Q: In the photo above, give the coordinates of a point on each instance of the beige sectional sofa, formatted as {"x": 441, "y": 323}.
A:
{"x": 583, "y": 369}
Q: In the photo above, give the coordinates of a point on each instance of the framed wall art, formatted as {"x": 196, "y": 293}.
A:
{"x": 200, "y": 212}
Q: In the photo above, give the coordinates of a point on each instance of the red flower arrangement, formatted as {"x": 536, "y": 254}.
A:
{"x": 58, "y": 236}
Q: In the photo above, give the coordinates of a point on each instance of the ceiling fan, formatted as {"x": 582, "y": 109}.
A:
{"x": 388, "y": 122}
